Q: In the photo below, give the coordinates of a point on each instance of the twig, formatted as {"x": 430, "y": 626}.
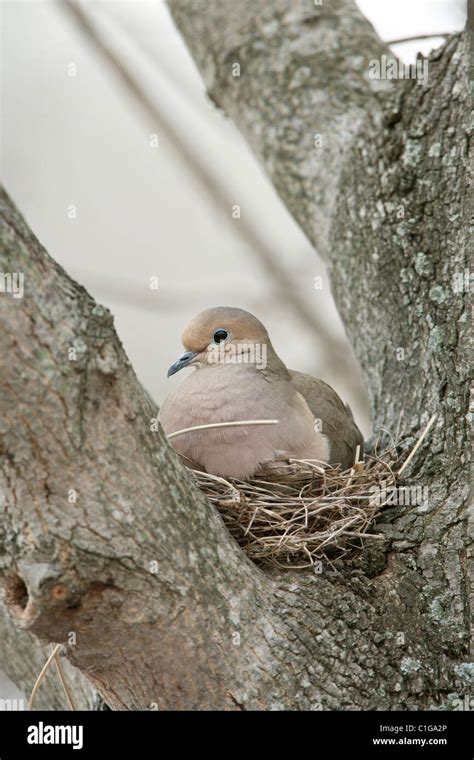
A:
{"x": 62, "y": 678}
{"x": 415, "y": 39}
{"x": 42, "y": 674}
{"x": 53, "y": 656}
{"x": 357, "y": 454}
{"x": 236, "y": 423}
{"x": 418, "y": 444}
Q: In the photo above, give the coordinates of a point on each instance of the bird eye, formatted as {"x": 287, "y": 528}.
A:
{"x": 219, "y": 336}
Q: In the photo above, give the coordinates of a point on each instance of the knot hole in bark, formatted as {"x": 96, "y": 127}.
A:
{"x": 16, "y": 594}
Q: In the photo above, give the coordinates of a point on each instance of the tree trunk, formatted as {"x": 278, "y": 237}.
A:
{"x": 107, "y": 545}
{"x": 22, "y": 657}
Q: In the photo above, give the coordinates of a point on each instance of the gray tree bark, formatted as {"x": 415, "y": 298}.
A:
{"x": 108, "y": 547}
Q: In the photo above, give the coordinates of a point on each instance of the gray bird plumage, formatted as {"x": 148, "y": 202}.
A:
{"x": 336, "y": 417}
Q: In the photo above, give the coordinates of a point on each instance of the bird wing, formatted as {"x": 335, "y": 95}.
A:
{"x": 336, "y": 417}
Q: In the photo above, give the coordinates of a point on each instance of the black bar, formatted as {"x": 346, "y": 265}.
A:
{"x": 157, "y": 734}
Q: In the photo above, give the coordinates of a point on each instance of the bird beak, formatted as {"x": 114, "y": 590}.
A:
{"x": 183, "y": 361}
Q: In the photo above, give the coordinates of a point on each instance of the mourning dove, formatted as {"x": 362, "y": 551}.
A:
{"x": 238, "y": 376}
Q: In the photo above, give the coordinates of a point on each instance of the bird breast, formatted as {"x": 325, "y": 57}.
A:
{"x": 230, "y": 393}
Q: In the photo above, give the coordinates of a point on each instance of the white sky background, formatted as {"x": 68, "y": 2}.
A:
{"x": 81, "y": 140}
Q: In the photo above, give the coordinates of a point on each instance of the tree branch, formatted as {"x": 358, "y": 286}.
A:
{"x": 139, "y": 568}
{"x": 303, "y": 72}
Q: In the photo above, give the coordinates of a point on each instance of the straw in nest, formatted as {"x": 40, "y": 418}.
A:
{"x": 297, "y": 513}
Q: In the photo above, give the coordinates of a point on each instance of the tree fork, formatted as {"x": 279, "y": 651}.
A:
{"x": 109, "y": 548}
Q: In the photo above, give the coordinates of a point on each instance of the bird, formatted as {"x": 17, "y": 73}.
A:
{"x": 237, "y": 375}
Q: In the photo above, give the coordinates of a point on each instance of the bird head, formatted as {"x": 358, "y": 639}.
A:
{"x": 225, "y": 335}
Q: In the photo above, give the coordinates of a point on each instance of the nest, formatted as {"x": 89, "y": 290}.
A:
{"x": 298, "y": 513}
{"x": 301, "y": 512}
